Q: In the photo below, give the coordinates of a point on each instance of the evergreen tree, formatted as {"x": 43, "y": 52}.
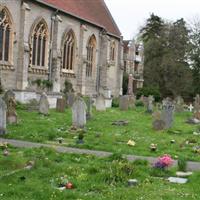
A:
{"x": 165, "y": 51}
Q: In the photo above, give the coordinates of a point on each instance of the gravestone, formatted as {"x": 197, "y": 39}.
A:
{"x": 190, "y": 108}
{"x": 11, "y": 111}
{"x": 158, "y": 123}
{"x": 71, "y": 97}
{"x": 9, "y": 94}
{"x": 60, "y": 105}
{"x": 131, "y": 101}
{"x": 124, "y": 102}
{"x": 89, "y": 103}
{"x": 9, "y": 99}
{"x": 150, "y": 104}
{"x": 3, "y": 109}
{"x": 130, "y": 84}
{"x": 33, "y": 105}
{"x": 167, "y": 113}
{"x": 100, "y": 103}
{"x": 44, "y": 104}
{"x": 144, "y": 100}
{"x": 179, "y": 104}
{"x": 79, "y": 113}
{"x": 197, "y": 103}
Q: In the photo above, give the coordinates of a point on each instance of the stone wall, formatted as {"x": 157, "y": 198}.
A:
{"x": 20, "y": 76}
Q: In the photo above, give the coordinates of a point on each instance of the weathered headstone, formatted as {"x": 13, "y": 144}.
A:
{"x": 124, "y": 102}
{"x": 3, "y": 109}
{"x": 150, "y": 104}
{"x": 71, "y": 97}
{"x": 179, "y": 104}
{"x": 130, "y": 84}
{"x": 100, "y": 103}
{"x": 89, "y": 103}
{"x": 9, "y": 94}
{"x": 44, "y": 104}
{"x": 131, "y": 101}
{"x": 79, "y": 113}
{"x": 60, "y": 105}
{"x": 144, "y": 100}
{"x": 167, "y": 113}
{"x": 158, "y": 123}
{"x": 11, "y": 111}
{"x": 9, "y": 98}
{"x": 197, "y": 103}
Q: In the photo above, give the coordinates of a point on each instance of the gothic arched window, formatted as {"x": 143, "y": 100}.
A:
{"x": 68, "y": 54}
{"x": 5, "y": 35}
{"x": 112, "y": 51}
{"x": 39, "y": 40}
{"x": 91, "y": 54}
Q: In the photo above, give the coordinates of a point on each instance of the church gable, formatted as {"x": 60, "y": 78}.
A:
{"x": 94, "y": 11}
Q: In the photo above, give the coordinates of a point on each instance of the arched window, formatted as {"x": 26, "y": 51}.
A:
{"x": 39, "y": 45}
{"x": 112, "y": 51}
{"x": 68, "y": 54}
{"x": 5, "y": 35}
{"x": 91, "y": 54}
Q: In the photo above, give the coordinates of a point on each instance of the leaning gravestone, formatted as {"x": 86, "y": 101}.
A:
{"x": 44, "y": 104}
{"x": 89, "y": 103}
{"x": 79, "y": 113}
{"x": 3, "y": 109}
{"x": 100, "y": 103}
{"x": 167, "y": 113}
{"x": 11, "y": 111}
{"x": 60, "y": 105}
{"x": 124, "y": 103}
{"x": 150, "y": 104}
{"x": 179, "y": 104}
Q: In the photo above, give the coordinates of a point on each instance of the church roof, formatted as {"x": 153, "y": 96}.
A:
{"x": 93, "y": 11}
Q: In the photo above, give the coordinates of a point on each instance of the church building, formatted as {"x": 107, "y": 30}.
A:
{"x": 46, "y": 43}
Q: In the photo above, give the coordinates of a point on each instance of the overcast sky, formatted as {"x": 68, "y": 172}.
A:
{"x": 131, "y": 14}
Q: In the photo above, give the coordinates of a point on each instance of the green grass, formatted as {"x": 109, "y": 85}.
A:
{"x": 93, "y": 178}
{"x": 102, "y": 135}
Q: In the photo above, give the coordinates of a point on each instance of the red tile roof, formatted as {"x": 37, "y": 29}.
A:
{"x": 94, "y": 11}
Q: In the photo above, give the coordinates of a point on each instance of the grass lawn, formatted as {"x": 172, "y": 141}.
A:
{"x": 93, "y": 178}
{"x": 102, "y": 135}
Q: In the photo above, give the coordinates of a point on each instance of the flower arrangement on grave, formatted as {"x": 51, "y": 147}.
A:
{"x": 153, "y": 147}
{"x": 62, "y": 183}
{"x": 163, "y": 162}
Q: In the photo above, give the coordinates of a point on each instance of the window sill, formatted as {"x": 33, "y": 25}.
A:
{"x": 6, "y": 65}
{"x": 38, "y": 70}
{"x": 68, "y": 73}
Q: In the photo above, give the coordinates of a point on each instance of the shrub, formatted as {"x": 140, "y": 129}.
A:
{"x": 115, "y": 102}
{"x": 146, "y": 91}
{"x": 68, "y": 87}
{"x": 139, "y": 103}
{"x": 125, "y": 83}
{"x": 182, "y": 164}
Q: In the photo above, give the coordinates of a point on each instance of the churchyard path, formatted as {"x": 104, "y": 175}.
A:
{"x": 192, "y": 166}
